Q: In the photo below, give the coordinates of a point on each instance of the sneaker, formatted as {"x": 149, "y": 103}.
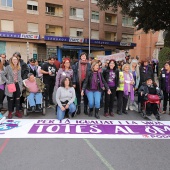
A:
{"x": 52, "y": 103}
{"x": 131, "y": 108}
{"x": 125, "y": 112}
{"x": 111, "y": 114}
{"x": 106, "y": 114}
{"x": 163, "y": 112}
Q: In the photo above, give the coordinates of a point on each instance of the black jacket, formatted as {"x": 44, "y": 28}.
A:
{"x": 24, "y": 69}
{"x": 76, "y": 72}
{"x": 162, "y": 80}
{"x": 106, "y": 76}
{"x": 143, "y": 74}
{"x": 88, "y": 82}
{"x": 145, "y": 90}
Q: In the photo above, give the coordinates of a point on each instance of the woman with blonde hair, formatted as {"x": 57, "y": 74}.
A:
{"x": 13, "y": 88}
{"x": 125, "y": 89}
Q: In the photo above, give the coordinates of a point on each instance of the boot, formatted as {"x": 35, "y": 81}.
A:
{"x": 9, "y": 115}
{"x": 78, "y": 110}
{"x": 97, "y": 113}
{"x": 18, "y": 114}
{"x": 38, "y": 107}
{"x": 139, "y": 108}
{"x": 90, "y": 112}
{"x": 85, "y": 110}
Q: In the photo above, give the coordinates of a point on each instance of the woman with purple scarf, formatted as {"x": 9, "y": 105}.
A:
{"x": 125, "y": 89}
{"x": 93, "y": 85}
{"x": 164, "y": 84}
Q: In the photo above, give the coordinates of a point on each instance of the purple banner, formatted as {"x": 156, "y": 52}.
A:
{"x": 99, "y": 129}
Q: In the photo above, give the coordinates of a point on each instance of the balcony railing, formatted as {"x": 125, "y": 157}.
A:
{"x": 57, "y": 14}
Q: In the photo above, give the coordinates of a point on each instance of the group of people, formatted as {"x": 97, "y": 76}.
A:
{"x": 97, "y": 84}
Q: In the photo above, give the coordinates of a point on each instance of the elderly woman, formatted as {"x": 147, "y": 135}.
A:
{"x": 13, "y": 87}
{"x": 34, "y": 88}
{"x": 63, "y": 72}
{"x": 125, "y": 89}
{"x": 65, "y": 97}
{"x": 93, "y": 85}
{"x": 164, "y": 83}
{"x": 134, "y": 69}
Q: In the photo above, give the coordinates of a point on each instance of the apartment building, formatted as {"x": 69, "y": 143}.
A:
{"x": 38, "y": 28}
{"x": 148, "y": 44}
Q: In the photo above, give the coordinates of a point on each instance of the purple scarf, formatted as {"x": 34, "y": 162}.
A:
{"x": 32, "y": 67}
{"x": 167, "y": 77}
{"x": 126, "y": 93}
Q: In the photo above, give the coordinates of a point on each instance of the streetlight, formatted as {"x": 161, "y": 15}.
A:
{"x": 89, "y": 24}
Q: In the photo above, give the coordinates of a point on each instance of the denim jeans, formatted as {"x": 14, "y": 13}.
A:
{"x": 94, "y": 99}
{"x": 61, "y": 114}
{"x": 34, "y": 98}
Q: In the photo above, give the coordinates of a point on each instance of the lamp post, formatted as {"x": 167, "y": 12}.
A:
{"x": 89, "y": 24}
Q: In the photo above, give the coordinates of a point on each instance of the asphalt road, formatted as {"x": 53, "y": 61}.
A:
{"x": 83, "y": 154}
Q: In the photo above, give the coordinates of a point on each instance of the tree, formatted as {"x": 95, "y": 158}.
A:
{"x": 149, "y": 14}
{"x": 164, "y": 56}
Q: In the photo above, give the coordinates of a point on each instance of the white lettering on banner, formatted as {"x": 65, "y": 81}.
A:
{"x": 117, "y": 57}
{"x": 125, "y": 44}
{"x": 80, "y": 40}
{"x": 52, "y": 128}
{"x": 29, "y": 36}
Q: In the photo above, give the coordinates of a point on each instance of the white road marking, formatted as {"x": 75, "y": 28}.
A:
{"x": 108, "y": 165}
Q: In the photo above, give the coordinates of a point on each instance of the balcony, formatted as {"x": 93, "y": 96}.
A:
{"x": 110, "y": 19}
{"x": 54, "y": 10}
{"x": 54, "y": 30}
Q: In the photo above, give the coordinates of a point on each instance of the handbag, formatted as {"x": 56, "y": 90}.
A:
{"x": 64, "y": 103}
{"x": 11, "y": 88}
{"x": 153, "y": 98}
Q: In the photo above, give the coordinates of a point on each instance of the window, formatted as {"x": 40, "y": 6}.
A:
{"x": 94, "y": 1}
{"x": 94, "y": 34}
{"x": 76, "y": 13}
{"x": 32, "y": 7}
{"x": 32, "y": 28}
{"x": 95, "y": 15}
{"x": 7, "y": 26}
{"x": 76, "y": 32}
{"x": 110, "y": 36}
{"x": 50, "y": 10}
{"x": 127, "y": 38}
{"x": 6, "y": 3}
{"x": 127, "y": 21}
{"x": 110, "y": 19}
{"x": 54, "y": 30}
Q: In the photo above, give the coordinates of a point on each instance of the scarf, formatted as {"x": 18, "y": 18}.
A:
{"x": 79, "y": 70}
{"x": 126, "y": 93}
{"x": 32, "y": 67}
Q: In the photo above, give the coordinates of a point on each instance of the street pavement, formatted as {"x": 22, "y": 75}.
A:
{"x": 83, "y": 154}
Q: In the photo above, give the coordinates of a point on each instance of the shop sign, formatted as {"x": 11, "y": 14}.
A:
{"x": 19, "y": 35}
{"x": 78, "y": 40}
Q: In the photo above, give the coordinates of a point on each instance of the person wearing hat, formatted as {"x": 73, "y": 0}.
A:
{"x": 93, "y": 85}
{"x": 149, "y": 87}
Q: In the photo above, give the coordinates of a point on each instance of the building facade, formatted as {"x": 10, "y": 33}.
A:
{"x": 38, "y": 28}
{"x": 148, "y": 45}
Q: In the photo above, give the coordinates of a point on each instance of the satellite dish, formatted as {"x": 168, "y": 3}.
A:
{"x": 164, "y": 34}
